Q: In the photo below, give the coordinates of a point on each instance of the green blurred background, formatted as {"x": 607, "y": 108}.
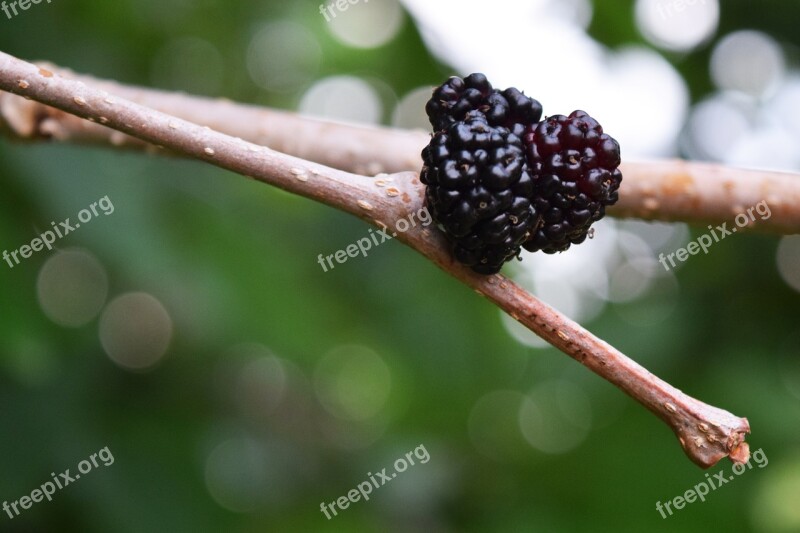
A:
{"x": 238, "y": 386}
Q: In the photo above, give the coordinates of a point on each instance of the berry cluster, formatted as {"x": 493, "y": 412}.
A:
{"x": 498, "y": 180}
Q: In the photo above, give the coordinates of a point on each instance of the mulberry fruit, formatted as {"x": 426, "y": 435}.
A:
{"x": 575, "y": 177}
{"x": 498, "y": 180}
{"x": 478, "y": 189}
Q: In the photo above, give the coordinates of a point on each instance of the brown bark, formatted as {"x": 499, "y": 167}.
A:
{"x": 706, "y": 433}
{"x": 664, "y": 190}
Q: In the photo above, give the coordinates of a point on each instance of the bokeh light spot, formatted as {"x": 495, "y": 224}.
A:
{"x": 262, "y": 382}
{"x": 410, "y": 111}
{"x": 659, "y": 236}
{"x": 748, "y": 61}
{"x": 785, "y": 106}
{"x": 677, "y": 25}
{"x": 578, "y": 12}
{"x": 633, "y": 275}
{"x": 364, "y": 24}
{"x": 660, "y": 303}
{"x": 715, "y": 125}
{"x": 493, "y": 425}
{"x": 774, "y": 507}
{"x": 343, "y": 98}
{"x": 789, "y": 260}
{"x": 630, "y": 280}
{"x": 555, "y": 417}
{"x": 135, "y": 331}
{"x": 352, "y": 382}
{"x": 72, "y": 287}
{"x": 283, "y": 56}
{"x": 236, "y": 474}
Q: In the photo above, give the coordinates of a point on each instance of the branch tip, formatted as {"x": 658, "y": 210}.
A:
{"x": 706, "y": 433}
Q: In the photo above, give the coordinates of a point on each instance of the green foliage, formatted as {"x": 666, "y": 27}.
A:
{"x": 234, "y": 262}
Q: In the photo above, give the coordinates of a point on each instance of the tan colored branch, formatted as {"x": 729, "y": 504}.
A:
{"x": 704, "y": 193}
{"x": 706, "y": 433}
{"x": 337, "y": 145}
{"x": 665, "y": 190}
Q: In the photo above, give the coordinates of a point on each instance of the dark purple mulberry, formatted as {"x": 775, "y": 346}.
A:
{"x": 575, "y": 177}
{"x": 497, "y": 179}
{"x": 478, "y": 190}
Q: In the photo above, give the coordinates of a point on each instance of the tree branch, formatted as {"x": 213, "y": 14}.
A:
{"x": 676, "y": 190}
{"x": 706, "y": 433}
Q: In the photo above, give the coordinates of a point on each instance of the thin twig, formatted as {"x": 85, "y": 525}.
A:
{"x": 706, "y": 433}
{"x": 665, "y": 190}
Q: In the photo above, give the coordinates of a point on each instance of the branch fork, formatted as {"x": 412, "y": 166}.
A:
{"x": 707, "y": 434}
